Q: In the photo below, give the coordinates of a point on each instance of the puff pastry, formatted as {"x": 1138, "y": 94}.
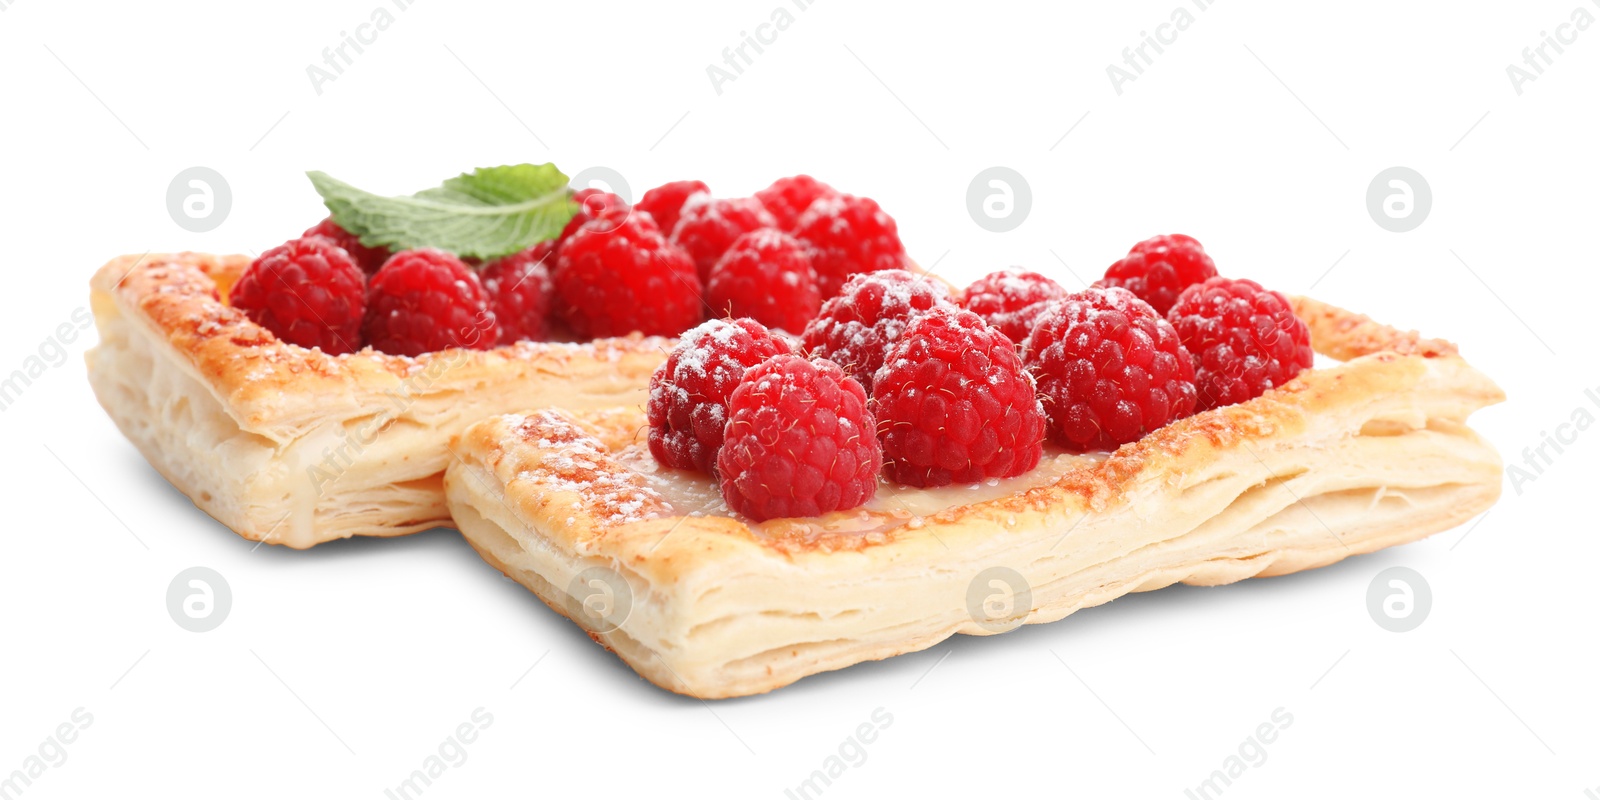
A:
{"x": 1346, "y": 459}
{"x": 296, "y": 447}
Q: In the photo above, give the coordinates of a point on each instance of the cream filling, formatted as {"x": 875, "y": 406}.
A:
{"x": 694, "y": 494}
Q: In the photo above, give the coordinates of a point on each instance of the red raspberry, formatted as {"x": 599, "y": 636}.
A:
{"x": 688, "y": 405}
{"x": 666, "y": 201}
{"x": 799, "y": 441}
{"x": 955, "y": 405}
{"x": 1159, "y": 268}
{"x": 1011, "y": 299}
{"x": 593, "y": 204}
{"x": 848, "y": 235}
{"x": 369, "y": 259}
{"x": 427, "y": 300}
{"x": 520, "y": 291}
{"x": 788, "y": 198}
{"x": 708, "y": 225}
{"x": 306, "y": 291}
{"x": 613, "y": 281}
{"x": 855, "y": 328}
{"x": 1111, "y": 370}
{"x": 766, "y": 275}
{"x": 1245, "y": 339}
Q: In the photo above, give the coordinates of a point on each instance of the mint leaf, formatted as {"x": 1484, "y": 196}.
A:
{"x": 486, "y": 213}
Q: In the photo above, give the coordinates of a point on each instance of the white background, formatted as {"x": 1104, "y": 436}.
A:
{"x": 341, "y": 669}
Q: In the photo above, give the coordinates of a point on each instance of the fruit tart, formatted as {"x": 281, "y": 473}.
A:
{"x": 922, "y": 464}
{"x": 308, "y": 393}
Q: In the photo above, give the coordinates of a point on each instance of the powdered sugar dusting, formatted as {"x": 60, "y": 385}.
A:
{"x": 703, "y": 352}
{"x": 768, "y": 238}
{"x": 689, "y": 492}
{"x": 575, "y": 462}
{"x": 1023, "y": 287}
{"x": 826, "y": 206}
{"x": 694, "y": 201}
{"x": 1012, "y": 300}
{"x": 693, "y": 357}
{"x": 703, "y": 209}
{"x": 856, "y": 328}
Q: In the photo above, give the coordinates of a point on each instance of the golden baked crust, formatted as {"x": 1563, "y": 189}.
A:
{"x": 1346, "y": 459}
{"x": 297, "y": 447}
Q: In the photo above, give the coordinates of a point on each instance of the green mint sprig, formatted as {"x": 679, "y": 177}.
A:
{"x": 486, "y": 213}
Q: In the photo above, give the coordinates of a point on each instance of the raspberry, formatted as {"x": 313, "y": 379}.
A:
{"x": 766, "y": 275}
{"x": 688, "y": 405}
{"x": 847, "y": 235}
{"x": 788, "y": 198}
{"x": 1245, "y": 339}
{"x": 708, "y": 225}
{"x": 593, "y": 204}
{"x": 1159, "y": 268}
{"x": 666, "y": 201}
{"x": 611, "y": 281}
{"x": 1011, "y": 299}
{"x": 799, "y": 441}
{"x": 1110, "y": 369}
{"x": 520, "y": 290}
{"x": 855, "y": 328}
{"x": 308, "y": 292}
{"x": 369, "y": 259}
{"x": 955, "y": 405}
{"x": 426, "y": 300}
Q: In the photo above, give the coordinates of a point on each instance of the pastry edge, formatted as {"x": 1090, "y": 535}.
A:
{"x": 541, "y": 537}
{"x": 257, "y": 432}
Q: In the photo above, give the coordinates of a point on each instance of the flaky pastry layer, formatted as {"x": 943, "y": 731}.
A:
{"x": 296, "y": 447}
{"x": 1347, "y": 459}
